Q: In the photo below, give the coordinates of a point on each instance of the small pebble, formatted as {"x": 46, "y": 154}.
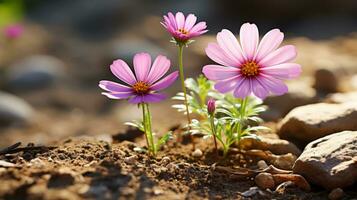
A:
{"x": 262, "y": 164}
{"x": 131, "y": 159}
{"x": 336, "y": 194}
{"x": 197, "y": 153}
{"x": 265, "y": 180}
{"x": 172, "y": 167}
{"x": 165, "y": 160}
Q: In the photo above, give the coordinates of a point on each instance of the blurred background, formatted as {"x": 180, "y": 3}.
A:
{"x": 54, "y": 53}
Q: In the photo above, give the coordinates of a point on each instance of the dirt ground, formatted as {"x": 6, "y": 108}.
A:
{"x": 87, "y": 168}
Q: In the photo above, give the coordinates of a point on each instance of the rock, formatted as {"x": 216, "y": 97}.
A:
{"x": 325, "y": 81}
{"x": 131, "y": 159}
{"x": 307, "y": 123}
{"x": 297, "y": 179}
{"x": 34, "y": 72}
{"x": 330, "y": 161}
{"x": 197, "y": 153}
{"x": 14, "y": 110}
{"x": 341, "y": 97}
{"x": 300, "y": 93}
{"x": 165, "y": 160}
{"x": 276, "y": 146}
{"x": 262, "y": 164}
{"x": 4, "y": 163}
{"x": 336, "y": 194}
{"x": 265, "y": 181}
{"x": 285, "y": 161}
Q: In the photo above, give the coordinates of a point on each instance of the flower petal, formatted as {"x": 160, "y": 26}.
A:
{"x": 198, "y": 27}
{"x": 118, "y": 95}
{"x": 275, "y": 86}
{"x": 249, "y": 39}
{"x": 142, "y": 64}
{"x": 216, "y": 53}
{"x": 227, "y": 85}
{"x": 165, "y": 82}
{"x": 243, "y": 89}
{"x": 269, "y": 43}
{"x": 113, "y": 87}
{"x": 121, "y": 70}
{"x": 172, "y": 20}
{"x": 283, "y": 71}
{"x": 283, "y": 54}
{"x": 229, "y": 44}
{"x": 153, "y": 97}
{"x": 160, "y": 66}
{"x": 180, "y": 20}
{"x": 136, "y": 99}
{"x": 218, "y": 72}
{"x": 190, "y": 21}
{"x": 258, "y": 89}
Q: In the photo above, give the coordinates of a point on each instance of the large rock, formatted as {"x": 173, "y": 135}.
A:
{"x": 330, "y": 161}
{"x": 34, "y": 72}
{"x": 307, "y": 123}
{"x": 14, "y": 110}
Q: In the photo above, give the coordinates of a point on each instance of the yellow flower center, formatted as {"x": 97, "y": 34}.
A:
{"x": 141, "y": 87}
{"x": 249, "y": 69}
{"x": 183, "y": 31}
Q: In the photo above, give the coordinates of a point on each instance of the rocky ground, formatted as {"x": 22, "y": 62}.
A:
{"x": 75, "y": 146}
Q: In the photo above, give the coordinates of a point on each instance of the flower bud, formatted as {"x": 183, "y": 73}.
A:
{"x": 211, "y": 106}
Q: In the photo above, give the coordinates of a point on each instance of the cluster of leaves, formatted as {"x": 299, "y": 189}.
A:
{"x": 233, "y": 119}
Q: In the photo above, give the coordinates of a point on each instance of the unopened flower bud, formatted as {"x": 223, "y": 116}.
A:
{"x": 211, "y": 106}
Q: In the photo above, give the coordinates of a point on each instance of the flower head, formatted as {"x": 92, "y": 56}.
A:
{"x": 251, "y": 66}
{"x": 183, "y": 29}
{"x": 142, "y": 87}
{"x": 211, "y": 106}
{"x": 13, "y": 31}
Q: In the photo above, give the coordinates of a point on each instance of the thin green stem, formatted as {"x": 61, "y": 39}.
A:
{"x": 182, "y": 77}
{"x": 213, "y": 127}
{"x": 145, "y": 127}
{"x": 151, "y": 137}
{"x": 242, "y": 119}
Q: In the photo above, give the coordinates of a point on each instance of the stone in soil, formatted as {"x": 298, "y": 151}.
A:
{"x": 34, "y": 72}
{"x": 265, "y": 181}
{"x": 307, "y": 123}
{"x": 275, "y": 145}
{"x": 326, "y": 81}
{"x": 330, "y": 161}
{"x": 14, "y": 110}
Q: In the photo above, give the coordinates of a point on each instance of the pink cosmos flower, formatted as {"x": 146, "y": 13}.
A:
{"x": 251, "y": 66}
{"x": 183, "y": 29}
{"x": 143, "y": 87}
{"x": 13, "y": 31}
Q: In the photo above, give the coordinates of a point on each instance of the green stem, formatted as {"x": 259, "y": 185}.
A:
{"x": 182, "y": 77}
{"x": 242, "y": 120}
{"x": 148, "y": 129}
{"x": 214, "y": 133}
{"x": 145, "y": 127}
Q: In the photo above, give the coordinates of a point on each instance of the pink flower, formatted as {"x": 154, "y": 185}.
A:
{"x": 251, "y": 66}
{"x": 143, "y": 87}
{"x": 13, "y": 31}
{"x": 183, "y": 29}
